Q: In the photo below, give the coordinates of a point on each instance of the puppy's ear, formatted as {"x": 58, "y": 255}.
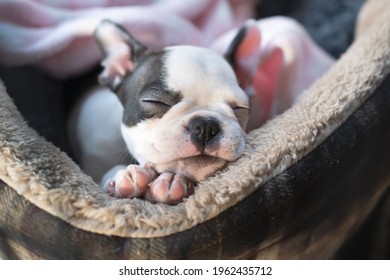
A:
{"x": 121, "y": 52}
{"x": 242, "y": 52}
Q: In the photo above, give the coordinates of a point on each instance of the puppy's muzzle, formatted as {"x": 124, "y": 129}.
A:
{"x": 204, "y": 131}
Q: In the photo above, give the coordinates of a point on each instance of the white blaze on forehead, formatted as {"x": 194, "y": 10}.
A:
{"x": 198, "y": 72}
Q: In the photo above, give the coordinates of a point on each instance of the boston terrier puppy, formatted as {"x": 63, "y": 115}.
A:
{"x": 183, "y": 115}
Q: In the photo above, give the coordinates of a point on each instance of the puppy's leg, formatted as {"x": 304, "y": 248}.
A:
{"x": 169, "y": 188}
{"x": 131, "y": 181}
{"x": 94, "y": 133}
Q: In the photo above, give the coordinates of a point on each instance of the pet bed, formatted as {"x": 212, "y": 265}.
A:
{"x": 306, "y": 182}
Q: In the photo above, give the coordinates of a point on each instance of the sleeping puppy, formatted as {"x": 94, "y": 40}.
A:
{"x": 183, "y": 115}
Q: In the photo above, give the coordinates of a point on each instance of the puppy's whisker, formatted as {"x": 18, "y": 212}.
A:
{"x": 123, "y": 156}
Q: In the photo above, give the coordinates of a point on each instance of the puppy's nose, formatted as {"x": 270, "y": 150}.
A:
{"x": 203, "y": 130}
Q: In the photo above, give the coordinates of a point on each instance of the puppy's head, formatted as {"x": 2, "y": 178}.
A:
{"x": 184, "y": 111}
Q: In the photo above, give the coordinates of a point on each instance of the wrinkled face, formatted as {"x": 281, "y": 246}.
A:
{"x": 184, "y": 112}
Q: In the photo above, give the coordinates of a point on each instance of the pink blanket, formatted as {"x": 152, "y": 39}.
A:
{"x": 277, "y": 61}
{"x": 57, "y": 33}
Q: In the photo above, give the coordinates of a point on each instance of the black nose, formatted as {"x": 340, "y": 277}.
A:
{"x": 203, "y": 130}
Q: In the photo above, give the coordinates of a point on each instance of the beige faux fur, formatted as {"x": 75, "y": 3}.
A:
{"x": 48, "y": 178}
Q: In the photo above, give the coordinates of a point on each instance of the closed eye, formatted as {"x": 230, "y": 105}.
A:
{"x": 155, "y": 102}
{"x": 240, "y": 110}
{"x": 242, "y": 114}
{"x": 154, "y": 108}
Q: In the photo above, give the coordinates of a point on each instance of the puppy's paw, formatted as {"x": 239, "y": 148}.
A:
{"x": 169, "y": 188}
{"x": 132, "y": 181}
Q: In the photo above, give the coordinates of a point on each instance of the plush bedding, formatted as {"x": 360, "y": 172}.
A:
{"x": 307, "y": 180}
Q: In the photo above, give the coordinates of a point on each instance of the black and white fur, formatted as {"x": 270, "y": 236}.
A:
{"x": 180, "y": 111}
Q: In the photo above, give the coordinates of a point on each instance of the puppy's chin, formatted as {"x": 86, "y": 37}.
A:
{"x": 195, "y": 168}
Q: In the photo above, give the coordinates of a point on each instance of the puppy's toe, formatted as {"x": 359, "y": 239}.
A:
{"x": 180, "y": 188}
{"x": 109, "y": 187}
{"x": 130, "y": 182}
{"x": 169, "y": 188}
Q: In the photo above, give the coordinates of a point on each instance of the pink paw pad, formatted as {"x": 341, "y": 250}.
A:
{"x": 169, "y": 188}
{"x": 130, "y": 182}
